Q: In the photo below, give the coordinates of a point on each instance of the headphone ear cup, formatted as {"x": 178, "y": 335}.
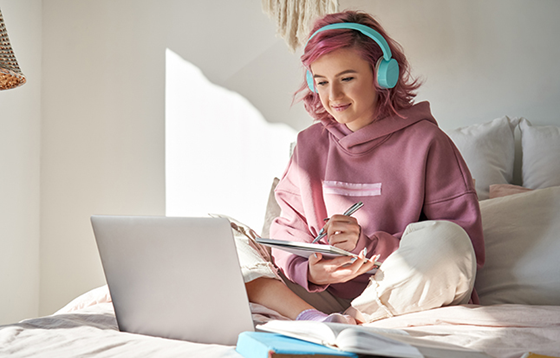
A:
{"x": 387, "y": 72}
{"x": 310, "y": 82}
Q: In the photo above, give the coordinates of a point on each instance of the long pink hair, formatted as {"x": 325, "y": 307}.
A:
{"x": 390, "y": 101}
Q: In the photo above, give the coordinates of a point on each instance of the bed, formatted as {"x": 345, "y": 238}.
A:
{"x": 519, "y": 286}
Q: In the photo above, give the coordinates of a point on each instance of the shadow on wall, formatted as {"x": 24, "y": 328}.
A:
{"x": 221, "y": 155}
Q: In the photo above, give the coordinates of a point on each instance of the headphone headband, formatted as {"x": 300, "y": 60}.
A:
{"x": 387, "y": 67}
{"x": 366, "y": 30}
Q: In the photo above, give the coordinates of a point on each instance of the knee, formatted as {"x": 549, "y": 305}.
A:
{"x": 254, "y": 263}
{"x": 440, "y": 245}
{"x": 445, "y": 237}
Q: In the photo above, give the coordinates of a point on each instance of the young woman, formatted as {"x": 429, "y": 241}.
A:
{"x": 373, "y": 144}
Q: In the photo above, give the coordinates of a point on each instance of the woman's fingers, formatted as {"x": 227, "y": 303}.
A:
{"x": 343, "y": 232}
{"x": 365, "y": 267}
{"x": 326, "y": 271}
{"x": 360, "y": 264}
{"x": 337, "y": 270}
{"x": 314, "y": 258}
{"x": 341, "y": 223}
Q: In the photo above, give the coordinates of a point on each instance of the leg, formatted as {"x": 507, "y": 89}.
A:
{"x": 275, "y": 295}
{"x": 323, "y": 301}
{"x": 434, "y": 266}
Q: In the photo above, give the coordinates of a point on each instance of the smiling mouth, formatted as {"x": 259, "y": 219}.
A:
{"x": 340, "y": 108}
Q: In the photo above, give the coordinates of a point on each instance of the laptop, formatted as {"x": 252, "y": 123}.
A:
{"x": 174, "y": 277}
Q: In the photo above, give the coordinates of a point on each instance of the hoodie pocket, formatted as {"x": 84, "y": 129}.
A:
{"x": 351, "y": 189}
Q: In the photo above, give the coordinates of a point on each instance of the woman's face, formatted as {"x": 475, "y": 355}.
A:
{"x": 345, "y": 84}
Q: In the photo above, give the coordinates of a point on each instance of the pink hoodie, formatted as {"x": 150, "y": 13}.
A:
{"x": 404, "y": 170}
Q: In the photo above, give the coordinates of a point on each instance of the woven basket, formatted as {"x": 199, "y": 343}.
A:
{"x": 10, "y": 74}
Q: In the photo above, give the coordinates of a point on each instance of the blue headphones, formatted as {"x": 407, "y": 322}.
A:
{"x": 387, "y": 68}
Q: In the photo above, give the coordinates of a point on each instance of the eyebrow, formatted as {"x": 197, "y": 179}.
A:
{"x": 338, "y": 74}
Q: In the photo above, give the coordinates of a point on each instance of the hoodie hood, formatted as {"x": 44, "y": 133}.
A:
{"x": 376, "y": 132}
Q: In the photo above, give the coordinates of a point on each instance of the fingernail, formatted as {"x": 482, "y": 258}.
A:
{"x": 353, "y": 260}
{"x": 316, "y": 256}
{"x": 326, "y": 219}
{"x": 364, "y": 251}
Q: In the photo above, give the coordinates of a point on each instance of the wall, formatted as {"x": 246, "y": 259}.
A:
{"x": 103, "y": 112}
{"x": 102, "y": 138}
{"x": 100, "y": 105}
{"x": 20, "y": 142}
{"x": 479, "y": 59}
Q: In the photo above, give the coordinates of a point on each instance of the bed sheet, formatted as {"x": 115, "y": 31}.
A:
{"x": 87, "y": 327}
{"x": 92, "y": 332}
{"x": 502, "y": 331}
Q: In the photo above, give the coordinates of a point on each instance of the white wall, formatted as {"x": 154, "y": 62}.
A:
{"x": 480, "y": 59}
{"x": 103, "y": 112}
{"x": 20, "y": 142}
{"x": 101, "y": 105}
{"x": 102, "y": 138}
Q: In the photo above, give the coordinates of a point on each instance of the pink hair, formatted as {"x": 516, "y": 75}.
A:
{"x": 390, "y": 101}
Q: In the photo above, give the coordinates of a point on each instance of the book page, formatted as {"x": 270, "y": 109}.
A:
{"x": 347, "y": 337}
{"x": 427, "y": 347}
{"x": 357, "y": 340}
{"x": 316, "y": 332}
{"x": 369, "y": 340}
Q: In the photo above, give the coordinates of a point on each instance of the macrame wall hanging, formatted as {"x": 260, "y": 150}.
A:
{"x": 294, "y": 18}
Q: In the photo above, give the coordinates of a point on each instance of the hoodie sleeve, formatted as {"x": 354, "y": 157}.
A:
{"x": 292, "y": 226}
{"x": 450, "y": 194}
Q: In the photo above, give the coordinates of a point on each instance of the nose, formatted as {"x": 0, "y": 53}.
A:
{"x": 335, "y": 91}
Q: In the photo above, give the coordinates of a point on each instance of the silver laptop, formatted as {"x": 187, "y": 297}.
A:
{"x": 174, "y": 277}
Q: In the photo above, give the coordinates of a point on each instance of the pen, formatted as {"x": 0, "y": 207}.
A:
{"x": 351, "y": 210}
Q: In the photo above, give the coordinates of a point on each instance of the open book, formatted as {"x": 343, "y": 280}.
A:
{"x": 306, "y": 249}
{"x": 368, "y": 340}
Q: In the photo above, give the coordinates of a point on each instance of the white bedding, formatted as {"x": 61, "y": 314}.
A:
{"x": 92, "y": 332}
{"x": 506, "y": 330}
{"x": 87, "y": 328}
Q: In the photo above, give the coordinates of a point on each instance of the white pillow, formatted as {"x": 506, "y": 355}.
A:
{"x": 489, "y": 150}
{"x": 522, "y": 240}
{"x": 541, "y": 155}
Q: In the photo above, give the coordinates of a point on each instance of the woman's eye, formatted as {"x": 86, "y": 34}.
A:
{"x": 346, "y": 79}
{"x": 321, "y": 83}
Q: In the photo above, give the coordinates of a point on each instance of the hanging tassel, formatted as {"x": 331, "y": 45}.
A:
{"x": 294, "y": 18}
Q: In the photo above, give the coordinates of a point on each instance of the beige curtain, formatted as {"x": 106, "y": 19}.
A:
{"x": 294, "y": 18}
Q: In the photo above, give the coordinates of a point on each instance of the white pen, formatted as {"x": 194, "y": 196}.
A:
{"x": 351, "y": 210}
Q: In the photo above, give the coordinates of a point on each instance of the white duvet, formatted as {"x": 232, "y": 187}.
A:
{"x": 87, "y": 328}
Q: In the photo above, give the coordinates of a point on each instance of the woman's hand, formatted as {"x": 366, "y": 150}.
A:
{"x": 340, "y": 269}
{"x": 343, "y": 232}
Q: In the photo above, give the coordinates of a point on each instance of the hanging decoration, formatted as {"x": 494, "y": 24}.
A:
{"x": 294, "y": 18}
